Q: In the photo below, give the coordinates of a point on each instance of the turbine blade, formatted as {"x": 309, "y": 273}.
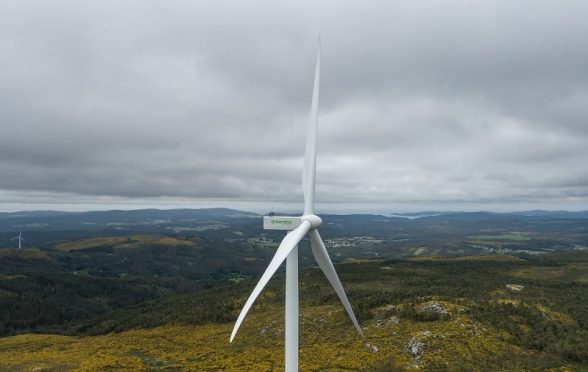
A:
{"x": 324, "y": 261}
{"x": 286, "y": 246}
{"x": 309, "y": 170}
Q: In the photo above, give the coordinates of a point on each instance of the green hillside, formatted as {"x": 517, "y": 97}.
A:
{"x": 494, "y": 313}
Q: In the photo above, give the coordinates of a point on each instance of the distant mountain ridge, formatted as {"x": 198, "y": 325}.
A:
{"x": 493, "y": 215}
{"x": 126, "y": 216}
{"x": 152, "y": 212}
{"x": 49, "y": 220}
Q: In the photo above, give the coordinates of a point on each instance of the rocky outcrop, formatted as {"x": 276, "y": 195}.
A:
{"x": 389, "y": 307}
{"x": 371, "y": 347}
{"x": 432, "y": 311}
{"x": 385, "y": 317}
{"x": 417, "y": 344}
{"x": 515, "y": 287}
{"x": 391, "y": 320}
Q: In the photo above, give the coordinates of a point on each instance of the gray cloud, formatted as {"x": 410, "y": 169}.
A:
{"x": 453, "y": 104}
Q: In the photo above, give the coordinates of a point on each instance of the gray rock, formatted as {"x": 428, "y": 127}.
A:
{"x": 415, "y": 347}
{"x": 417, "y": 344}
{"x": 389, "y": 308}
{"x": 391, "y": 320}
{"x": 433, "y": 311}
{"x": 371, "y": 347}
{"x": 515, "y": 287}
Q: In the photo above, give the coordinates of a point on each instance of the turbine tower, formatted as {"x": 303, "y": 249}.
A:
{"x": 20, "y": 240}
{"x": 298, "y": 228}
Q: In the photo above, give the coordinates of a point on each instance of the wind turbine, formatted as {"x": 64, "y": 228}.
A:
{"x": 298, "y": 228}
{"x": 20, "y": 240}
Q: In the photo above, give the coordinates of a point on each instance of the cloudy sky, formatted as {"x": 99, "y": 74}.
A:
{"x": 452, "y": 105}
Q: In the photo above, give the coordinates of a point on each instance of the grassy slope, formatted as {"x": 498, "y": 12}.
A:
{"x": 327, "y": 342}
{"x": 481, "y": 332}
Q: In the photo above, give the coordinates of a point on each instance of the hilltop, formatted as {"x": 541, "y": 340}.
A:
{"x": 436, "y": 314}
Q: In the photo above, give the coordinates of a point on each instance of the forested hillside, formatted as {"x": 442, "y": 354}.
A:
{"x": 471, "y": 312}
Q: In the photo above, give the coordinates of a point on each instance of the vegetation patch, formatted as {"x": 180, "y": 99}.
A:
{"x": 431, "y": 314}
{"x": 133, "y": 241}
{"x": 566, "y": 272}
{"x": 517, "y": 237}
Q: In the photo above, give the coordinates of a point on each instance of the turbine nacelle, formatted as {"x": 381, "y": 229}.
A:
{"x": 290, "y": 223}
{"x": 315, "y": 221}
{"x": 287, "y": 223}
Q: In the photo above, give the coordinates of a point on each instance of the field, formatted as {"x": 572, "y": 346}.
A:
{"x": 132, "y": 241}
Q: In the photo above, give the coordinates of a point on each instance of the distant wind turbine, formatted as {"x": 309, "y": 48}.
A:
{"x": 297, "y": 228}
{"x": 20, "y": 240}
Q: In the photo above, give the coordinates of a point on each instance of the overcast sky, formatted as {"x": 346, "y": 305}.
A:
{"x": 452, "y": 105}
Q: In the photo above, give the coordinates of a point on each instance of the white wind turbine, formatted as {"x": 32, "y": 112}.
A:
{"x": 20, "y": 240}
{"x": 297, "y": 228}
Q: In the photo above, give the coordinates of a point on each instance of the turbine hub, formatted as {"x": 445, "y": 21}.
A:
{"x": 315, "y": 221}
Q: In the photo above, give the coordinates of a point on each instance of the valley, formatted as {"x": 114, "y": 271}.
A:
{"x": 489, "y": 292}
